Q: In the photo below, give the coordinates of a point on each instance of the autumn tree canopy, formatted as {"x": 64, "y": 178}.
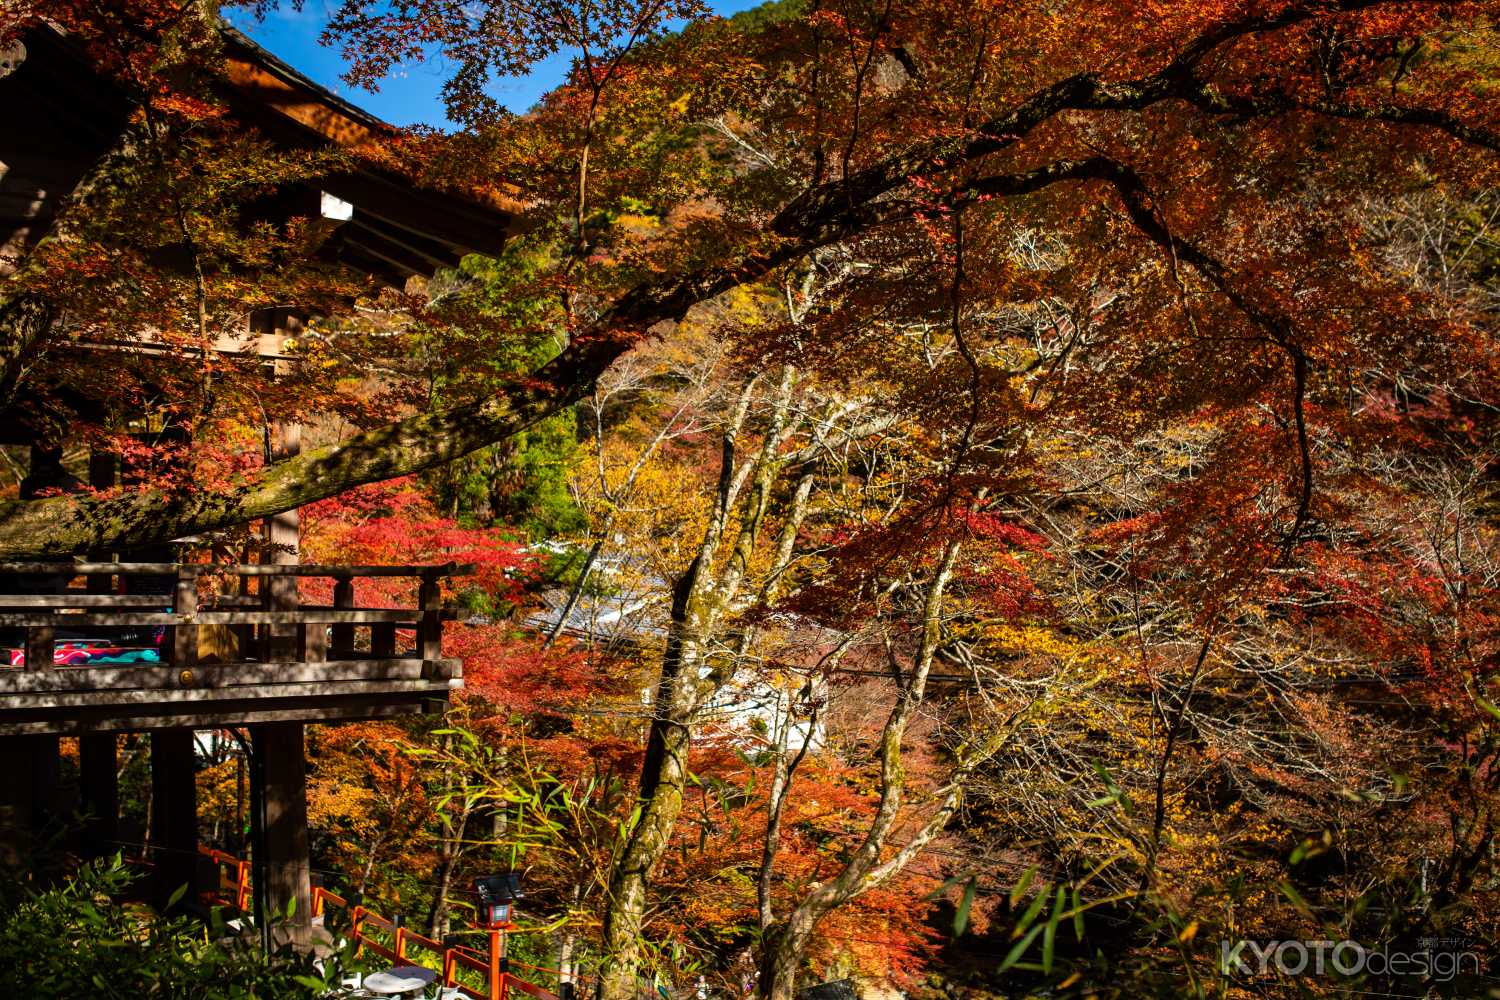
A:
{"x": 1221, "y": 139}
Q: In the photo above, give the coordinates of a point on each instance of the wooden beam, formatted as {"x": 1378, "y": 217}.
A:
{"x": 241, "y": 569}
{"x": 79, "y": 599}
{"x": 430, "y": 628}
{"x": 358, "y": 616}
{"x": 219, "y": 675}
{"x": 237, "y": 713}
{"x": 123, "y": 699}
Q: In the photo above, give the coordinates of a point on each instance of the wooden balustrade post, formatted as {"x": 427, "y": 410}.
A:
{"x": 241, "y": 885}
{"x": 400, "y": 947}
{"x": 313, "y": 640}
{"x": 185, "y": 637}
{"x": 283, "y": 532}
{"x": 382, "y": 640}
{"x": 343, "y": 632}
{"x": 244, "y": 634}
{"x": 39, "y": 647}
{"x": 430, "y": 622}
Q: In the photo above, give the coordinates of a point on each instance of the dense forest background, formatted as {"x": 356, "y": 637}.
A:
{"x": 986, "y": 499}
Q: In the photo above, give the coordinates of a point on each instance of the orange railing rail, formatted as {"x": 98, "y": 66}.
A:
{"x": 234, "y": 879}
{"x": 384, "y": 937}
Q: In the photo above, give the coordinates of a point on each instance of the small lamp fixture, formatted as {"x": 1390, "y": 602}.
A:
{"x": 496, "y": 894}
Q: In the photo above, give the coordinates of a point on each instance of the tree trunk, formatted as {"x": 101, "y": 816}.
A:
{"x": 449, "y": 849}
{"x": 583, "y": 577}
{"x": 783, "y": 946}
{"x": 62, "y": 526}
{"x": 565, "y": 961}
{"x": 448, "y": 852}
{"x": 663, "y": 777}
{"x": 699, "y": 601}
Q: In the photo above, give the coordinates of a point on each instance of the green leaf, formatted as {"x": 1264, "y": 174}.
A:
{"x": 177, "y": 895}
{"x": 1034, "y": 909}
{"x": 1018, "y": 949}
{"x": 1294, "y": 897}
{"x": 1049, "y": 933}
{"x": 961, "y": 915}
{"x": 1019, "y": 891}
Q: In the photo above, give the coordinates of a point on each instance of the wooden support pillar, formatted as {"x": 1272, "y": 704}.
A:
{"x": 16, "y": 793}
{"x": 174, "y": 813}
{"x": 99, "y": 788}
{"x": 284, "y": 775}
{"x": 29, "y": 806}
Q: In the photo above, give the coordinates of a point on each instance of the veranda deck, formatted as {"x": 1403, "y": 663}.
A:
{"x": 229, "y": 645}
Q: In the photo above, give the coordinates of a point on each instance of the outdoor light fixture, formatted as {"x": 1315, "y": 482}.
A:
{"x": 496, "y": 894}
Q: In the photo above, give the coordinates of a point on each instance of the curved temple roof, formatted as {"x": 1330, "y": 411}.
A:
{"x": 60, "y": 117}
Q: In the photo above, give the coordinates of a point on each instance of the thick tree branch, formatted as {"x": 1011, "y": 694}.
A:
{"x": 827, "y": 204}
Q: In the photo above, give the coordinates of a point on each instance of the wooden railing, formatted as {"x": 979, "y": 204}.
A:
{"x": 270, "y": 623}
{"x": 489, "y": 971}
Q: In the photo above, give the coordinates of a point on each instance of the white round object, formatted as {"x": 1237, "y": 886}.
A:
{"x": 401, "y": 979}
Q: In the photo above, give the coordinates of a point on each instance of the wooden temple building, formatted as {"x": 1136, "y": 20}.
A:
{"x": 289, "y": 662}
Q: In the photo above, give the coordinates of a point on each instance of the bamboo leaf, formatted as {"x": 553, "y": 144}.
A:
{"x": 961, "y": 915}
{"x": 1049, "y": 933}
{"x": 1014, "y": 955}
{"x": 1019, "y": 892}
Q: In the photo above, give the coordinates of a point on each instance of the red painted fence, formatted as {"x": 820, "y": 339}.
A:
{"x": 488, "y": 975}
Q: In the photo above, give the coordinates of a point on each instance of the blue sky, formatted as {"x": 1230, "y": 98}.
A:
{"x": 410, "y": 96}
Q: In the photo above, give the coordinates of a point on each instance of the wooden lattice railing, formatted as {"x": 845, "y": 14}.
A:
{"x": 269, "y": 624}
